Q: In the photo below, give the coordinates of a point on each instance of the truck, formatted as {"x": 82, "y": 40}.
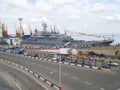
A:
{"x": 64, "y": 51}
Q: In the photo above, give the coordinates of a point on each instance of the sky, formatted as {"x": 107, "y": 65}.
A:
{"x": 87, "y": 16}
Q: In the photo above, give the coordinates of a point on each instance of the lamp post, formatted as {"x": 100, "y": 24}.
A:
{"x": 62, "y": 51}
{"x": 60, "y": 70}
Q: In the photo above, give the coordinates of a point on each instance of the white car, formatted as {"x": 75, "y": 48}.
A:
{"x": 114, "y": 64}
{"x": 111, "y": 63}
{"x": 54, "y": 58}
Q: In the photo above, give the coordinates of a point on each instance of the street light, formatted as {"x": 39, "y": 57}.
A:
{"x": 63, "y": 51}
{"x": 60, "y": 70}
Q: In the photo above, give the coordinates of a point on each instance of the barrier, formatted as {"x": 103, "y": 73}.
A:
{"x": 36, "y": 74}
{"x": 42, "y": 78}
{"x": 26, "y": 69}
{"x": 31, "y": 71}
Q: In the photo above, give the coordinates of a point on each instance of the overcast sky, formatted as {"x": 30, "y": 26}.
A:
{"x": 87, "y": 16}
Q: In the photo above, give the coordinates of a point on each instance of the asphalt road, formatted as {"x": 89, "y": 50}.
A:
{"x": 73, "y": 78}
{"x": 6, "y": 83}
{"x": 23, "y": 81}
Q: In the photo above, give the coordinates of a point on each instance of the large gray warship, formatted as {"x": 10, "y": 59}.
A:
{"x": 52, "y": 38}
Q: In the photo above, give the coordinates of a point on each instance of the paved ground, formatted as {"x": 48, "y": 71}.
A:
{"x": 23, "y": 81}
{"x": 6, "y": 83}
{"x": 73, "y": 78}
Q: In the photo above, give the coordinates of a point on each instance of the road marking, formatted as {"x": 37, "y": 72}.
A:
{"x": 118, "y": 89}
{"x": 51, "y": 72}
{"x": 55, "y": 70}
{"x": 102, "y": 89}
{"x": 87, "y": 83}
{"x": 65, "y": 62}
{"x": 15, "y": 83}
{"x": 75, "y": 78}
{"x": 39, "y": 65}
{"x": 64, "y": 73}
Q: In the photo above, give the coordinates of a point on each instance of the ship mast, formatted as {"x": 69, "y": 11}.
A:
{"x": 44, "y": 25}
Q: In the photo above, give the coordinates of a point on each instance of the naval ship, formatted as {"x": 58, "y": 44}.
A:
{"x": 52, "y": 38}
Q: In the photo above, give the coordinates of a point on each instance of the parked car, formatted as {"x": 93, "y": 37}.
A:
{"x": 113, "y": 64}
{"x": 79, "y": 61}
{"x": 54, "y": 58}
{"x": 19, "y": 52}
{"x": 9, "y": 51}
{"x": 74, "y": 60}
{"x": 92, "y": 53}
{"x": 109, "y": 63}
{"x": 88, "y": 62}
{"x": 34, "y": 54}
{"x": 26, "y": 53}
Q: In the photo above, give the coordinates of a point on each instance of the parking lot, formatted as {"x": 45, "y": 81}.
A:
{"x": 92, "y": 59}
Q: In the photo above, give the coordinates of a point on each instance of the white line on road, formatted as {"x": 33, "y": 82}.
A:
{"x": 102, "y": 89}
{"x": 51, "y": 72}
{"x": 87, "y": 83}
{"x": 64, "y": 73}
{"x": 15, "y": 83}
{"x": 55, "y": 70}
{"x": 118, "y": 89}
{"x": 75, "y": 78}
{"x": 39, "y": 65}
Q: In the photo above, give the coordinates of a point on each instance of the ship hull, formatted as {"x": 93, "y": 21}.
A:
{"x": 53, "y": 42}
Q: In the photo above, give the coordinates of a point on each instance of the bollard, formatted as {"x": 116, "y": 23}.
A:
{"x": 60, "y": 88}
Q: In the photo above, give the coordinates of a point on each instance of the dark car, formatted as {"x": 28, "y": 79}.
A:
{"x": 74, "y": 60}
{"x": 34, "y": 54}
{"x": 92, "y": 53}
{"x": 95, "y": 54}
{"x": 19, "y": 52}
